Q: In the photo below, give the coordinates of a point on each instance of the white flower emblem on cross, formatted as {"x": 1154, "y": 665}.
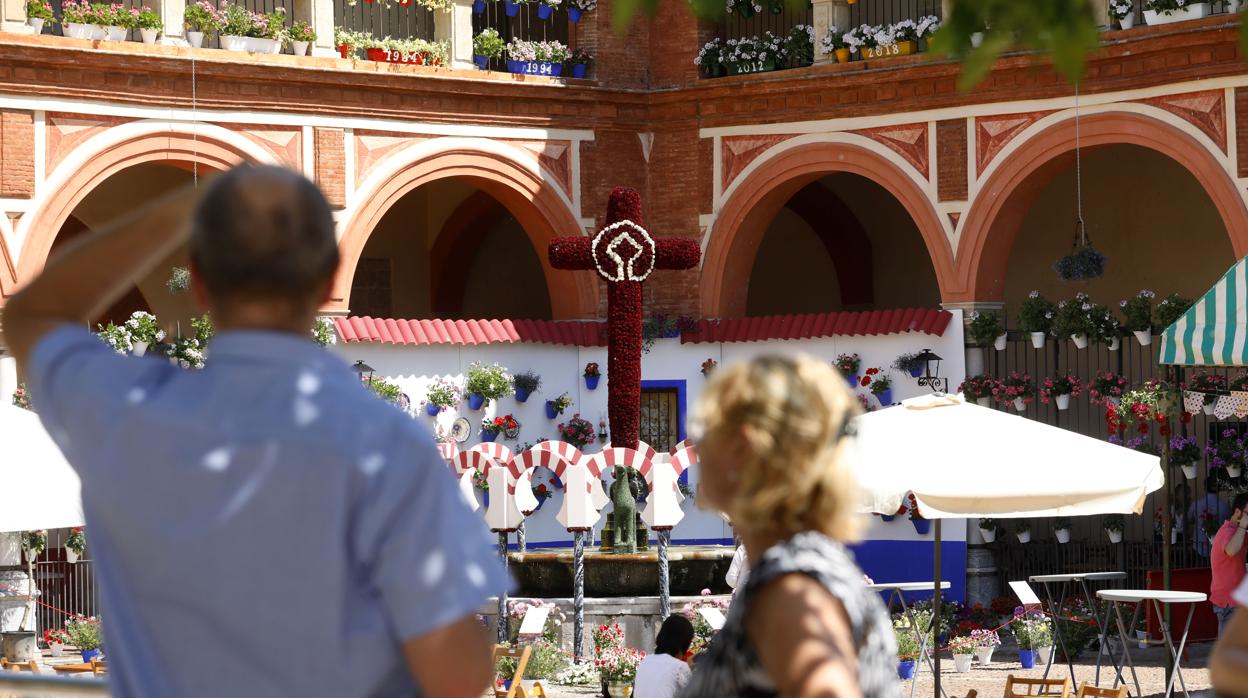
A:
{"x": 618, "y": 235}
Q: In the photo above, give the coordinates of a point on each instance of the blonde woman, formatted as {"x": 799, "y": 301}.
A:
{"x": 770, "y": 437}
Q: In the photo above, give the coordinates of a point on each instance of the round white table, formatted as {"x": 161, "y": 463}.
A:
{"x": 895, "y": 590}
{"x": 1141, "y": 598}
{"x": 1082, "y": 580}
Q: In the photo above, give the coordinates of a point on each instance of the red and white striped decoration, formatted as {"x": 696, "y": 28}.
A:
{"x": 608, "y": 458}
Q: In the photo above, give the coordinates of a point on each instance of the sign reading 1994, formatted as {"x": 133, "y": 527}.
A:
{"x": 539, "y": 68}
{"x": 881, "y": 51}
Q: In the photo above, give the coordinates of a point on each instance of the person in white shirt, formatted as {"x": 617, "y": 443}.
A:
{"x": 1228, "y": 665}
{"x": 738, "y": 570}
{"x": 664, "y": 673}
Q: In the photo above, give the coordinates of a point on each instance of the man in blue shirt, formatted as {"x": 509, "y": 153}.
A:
{"x": 265, "y": 526}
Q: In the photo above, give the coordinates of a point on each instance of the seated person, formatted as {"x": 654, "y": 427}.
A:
{"x": 664, "y": 673}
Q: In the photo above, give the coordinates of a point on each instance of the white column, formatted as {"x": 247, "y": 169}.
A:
{"x": 320, "y": 15}
{"x": 1100, "y": 13}
{"x": 8, "y": 376}
{"x": 828, "y": 14}
{"x": 946, "y": 6}
{"x": 455, "y": 27}
{"x": 173, "y": 13}
{"x": 13, "y": 16}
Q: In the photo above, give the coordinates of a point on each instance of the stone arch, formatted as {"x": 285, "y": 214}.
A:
{"x": 528, "y": 192}
{"x": 105, "y": 155}
{"x": 755, "y": 199}
{"x": 451, "y": 255}
{"x": 1006, "y": 195}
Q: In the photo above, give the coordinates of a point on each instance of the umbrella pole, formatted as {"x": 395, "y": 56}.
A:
{"x": 936, "y": 573}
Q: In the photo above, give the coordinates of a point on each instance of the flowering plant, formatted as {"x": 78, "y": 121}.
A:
{"x": 1139, "y": 311}
{"x": 186, "y": 352}
{"x": 1036, "y": 313}
{"x": 833, "y": 40}
{"x": 499, "y": 424}
{"x": 584, "y": 5}
{"x": 488, "y": 43}
{"x": 963, "y": 644}
{"x": 142, "y": 328}
{"x": 21, "y": 397}
{"x": 708, "y": 366}
{"x": 1228, "y": 450}
{"x": 1105, "y": 385}
{"x": 582, "y": 674}
{"x": 591, "y": 370}
{"x": 991, "y": 525}
{"x": 527, "y": 381}
{"x": 84, "y": 633}
{"x": 117, "y": 337}
{"x": 848, "y": 364}
{"x": 1143, "y": 444}
{"x": 702, "y": 630}
{"x": 1018, "y": 386}
{"x": 561, "y": 403}
{"x": 580, "y": 56}
{"x": 323, "y": 332}
{"x": 1183, "y": 450}
{"x": 1170, "y": 309}
{"x": 301, "y": 31}
{"x": 977, "y": 387}
{"x": 1031, "y": 629}
{"x": 984, "y": 328}
{"x": 1073, "y": 317}
{"x": 39, "y": 9}
{"x": 1142, "y": 407}
{"x": 489, "y": 381}
{"x": 479, "y": 480}
{"x": 518, "y": 608}
{"x": 985, "y": 639}
{"x": 877, "y": 381}
{"x": 1119, "y": 9}
{"x": 1240, "y": 381}
{"x": 1105, "y": 325}
{"x": 544, "y": 51}
{"x": 608, "y": 636}
{"x": 77, "y": 540}
{"x": 34, "y": 542}
{"x": 1207, "y": 383}
{"x": 577, "y": 431}
{"x": 146, "y": 18}
{"x": 619, "y": 664}
{"x": 201, "y": 17}
{"x": 542, "y": 492}
{"x": 1060, "y": 385}
{"x": 52, "y": 636}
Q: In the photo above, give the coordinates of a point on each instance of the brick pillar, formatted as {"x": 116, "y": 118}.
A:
{"x": 17, "y": 154}
{"x": 13, "y": 16}
{"x": 828, "y": 14}
{"x": 319, "y": 14}
{"x": 675, "y": 38}
{"x": 455, "y": 27}
{"x": 331, "y": 166}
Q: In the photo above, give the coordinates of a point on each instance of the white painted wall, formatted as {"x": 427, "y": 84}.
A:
{"x": 560, "y": 367}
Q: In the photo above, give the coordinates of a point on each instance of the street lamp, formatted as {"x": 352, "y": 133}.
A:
{"x": 361, "y": 369}
{"x": 931, "y": 373}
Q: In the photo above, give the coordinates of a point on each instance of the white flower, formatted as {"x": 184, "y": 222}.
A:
{"x": 1033, "y": 294}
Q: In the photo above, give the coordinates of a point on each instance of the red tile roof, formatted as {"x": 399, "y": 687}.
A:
{"x": 470, "y": 332}
{"x": 594, "y": 334}
{"x": 860, "y": 324}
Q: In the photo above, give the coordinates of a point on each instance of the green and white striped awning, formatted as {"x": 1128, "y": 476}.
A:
{"x": 1214, "y": 331}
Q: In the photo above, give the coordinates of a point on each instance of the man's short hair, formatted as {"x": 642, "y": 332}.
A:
{"x": 1240, "y": 502}
{"x": 264, "y": 232}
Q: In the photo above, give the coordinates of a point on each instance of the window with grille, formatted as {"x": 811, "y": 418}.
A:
{"x": 660, "y": 417}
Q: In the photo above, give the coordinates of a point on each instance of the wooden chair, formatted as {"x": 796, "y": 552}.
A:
{"x": 98, "y": 667}
{"x": 1016, "y": 687}
{"x": 522, "y": 662}
{"x": 1090, "y": 691}
{"x": 32, "y": 666}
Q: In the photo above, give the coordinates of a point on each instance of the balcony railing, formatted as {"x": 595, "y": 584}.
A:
{"x": 395, "y": 21}
{"x": 876, "y": 12}
{"x": 1217, "y": 7}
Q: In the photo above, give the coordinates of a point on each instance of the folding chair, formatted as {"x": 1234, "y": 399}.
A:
{"x": 1090, "y": 691}
{"x": 1016, "y": 687}
{"x": 522, "y": 662}
{"x": 32, "y": 666}
{"x": 98, "y": 667}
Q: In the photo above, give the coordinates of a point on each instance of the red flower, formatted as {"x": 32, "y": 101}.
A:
{"x": 872, "y": 371}
{"x": 865, "y": 380}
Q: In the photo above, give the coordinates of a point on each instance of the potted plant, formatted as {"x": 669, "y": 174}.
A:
{"x": 963, "y": 649}
{"x": 985, "y": 642}
{"x": 541, "y": 492}
{"x": 199, "y": 19}
{"x": 75, "y": 544}
{"x": 555, "y": 407}
{"x": 1105, "y": 327}
{"x": 578, "y": 7}
{"x": 1022, "y": 530}
{"x": 619, "y": 669}
{"x": 1114, "y": 525}
{"x": 592, "y": 375}
{"x": 487, "y": 46}
{"x": 988, "y": 528}
{"x": 526, "y": 384}
{"x": 1122, "y": 12}
{"x": 834, "y": 43}
{"x": 34, "y": 543}
{"x": 909, "y": 363}
{"x": 1031, "y": 629}
{"x": 880, "y": 384}
{"x": 1227, "y": 453}
{"x": 710, "y": 58}
{"x": 1072, "y": 320}
{"x": 441, "y": 395}
{"x": 1185, "y": 453}
{"x": 86, "y": 635}
{"x": 578, "y": 432}
{"x": 981, "y": 389}
{"x": 301, "y": 37}
{"x": 148, "y": 22}
{"x": 1060, "y": 389}
{"x": 21, "y": 397}
{"x": 38, "y": 12}
{"x": 1036, "y": 317}
{"x": 848, "y": 365}
{"x": 512, "y": 7}
{"x": 907, "y": 649}
{"x": 708, "y": 367}
{"x": 143, "y": 331}
{"x": 986, "y": 328}
{"x": 745, "y": 8}
{"x": 546, "y": 8}
{"x": 536, "y": 57}
{"x": 1061, "y": 529}
{"x": 79, "y": 20}
{"x": 1139, "y": 313}
{"x": 1208, "y": 386}
{"x": 116, "y": 20}
{"x": 491, "y": 428}
{"x": 1106, "y": 388}
{"x": 485, "y": 383}
{"x": 481, "y": 482}
{"x": 1167, "y": 11}
{"x": 1170, "y": 309}
{"x": 921, "y": 525}
{"x": 580, "y": 60}
{"x": 1018, "y": 389}
{"x": 56, "y": 641}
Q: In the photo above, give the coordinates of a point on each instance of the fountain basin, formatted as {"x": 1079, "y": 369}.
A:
{"x": 548, "y": 573}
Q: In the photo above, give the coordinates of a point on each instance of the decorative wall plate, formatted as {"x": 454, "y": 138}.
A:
{"x": 461, "y": 429}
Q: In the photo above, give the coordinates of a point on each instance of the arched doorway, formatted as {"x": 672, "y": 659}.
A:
{"x": 820, "y": 227}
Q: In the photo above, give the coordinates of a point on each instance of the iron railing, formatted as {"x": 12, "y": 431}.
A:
{"x": 889, "y": 11}
{"x": 396, "y": 21}
{"x": 1216, "y": 7}
{"x": 526, "y": 25}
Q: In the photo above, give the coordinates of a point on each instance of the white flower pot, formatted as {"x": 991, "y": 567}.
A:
{"x": 1195, "y": 10}
{"x": 36, "y": 25}
{"x": 1144, "y": 337}
{"x": 79, "y": 31}
{"x": 299, "y": 48}
{"x": 977, "y": 39}
{"x": 1114, "y": 344}
{"x": 1141, "y": 638}
{"x": 98, "y": 33}
{"x": 1208, "y": 407}
{"x": 989, "y": 534}
{"x": 1080, "y": 340}
{"x": 195, "y": 39}
{"x": 139, "y": 348}
{"x": 1174, "y": 536}
{"x": 1062, "y": 534}
{"x": 1128, "y": 21}
{"x": 265, "y": 46}
{"x": 1023, "y": 536}
{"x": 233, "y": 43}
{"x": 1114, "y": 536}
{"x": 1233, "y": 5}
{"x": 1037, "y": 340}
{"x": 984, "y": 655}
{"x": 71, "y": 556}
{"x": 116, "y": 33}
{"x": 974, "y": 361}
{"x": 149, "y": 35}
{"x": 962, "y": 662}
{"x": 983, "y": 401}
{"x": 1001, "y": 341}
{"x": 1063, "y": 401}
{"x": 1189, "y": 471}
{"x": 1020, "y": 404}
{"x": 58, "y": 649}
{"x": 1233, "y": 470}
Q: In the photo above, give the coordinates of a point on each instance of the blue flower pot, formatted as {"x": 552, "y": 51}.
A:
{"x": 853, "y": 380}
{"x": 1027, "y": 658}
{"x": 905, "y": 669}
{"x": 506, "y": 684}
{"x": 579, "y": 70}
{"x": 550, "y": 410}
{"x": 432, "y": 410}
{"x": 544, "y": 11}
{"x": 916, "y": 372}
{"x": 574, "y": 14}
{"x": 887, "y": 518}
{"x": 475, "y": 401}
{"x": 482, "y": 62}
{"x": 591, "y": 382}
{"x": 488, "y": 435}
{"x": 522, "y": 395}
{"x": 512, "y": 8}
{"x": 478, "y": 7}
{"x": 485, "y": 498}
{"x": 88, "y": 655}
{"x": 885, "y": 397}
{"x": 922, "y": 526}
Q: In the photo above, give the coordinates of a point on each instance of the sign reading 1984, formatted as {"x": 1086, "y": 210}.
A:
{"x": 881, "y": 51}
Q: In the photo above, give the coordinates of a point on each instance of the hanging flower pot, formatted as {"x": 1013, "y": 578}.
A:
{"x": 905, "y": 669}
{"x": 1233, "y": 470}
{"x": 1063, "y": 402}
{"x": 983, "y": 401}
{"x": 1189, "y": 470}
{"x": 1208, "y": 407}
{"x": 522, "y": 395}
{"x": 591, "y": 382}
{"x": 1144, "y": 337}
{"x": 853, "y": 380}
{"x": 476, "y": 401}
{"x": 1062, "y": 535}
{"x": 1037, "y": 340}
{"x": 885, "y": 397}
{"x": 512, "y": 8}
{"x": 551, "y": 412}
{"x": 574, "y": 14}
{"x": 916, "y": 371}
{"x": 1115, "y": 537}
{"x": 1080, "y": 340}
{"x": 432, "y": 410}
{"x": 1000, "y": 342}
{"x": 478, "y": 7}
{"x": 1023, "y": 536}
{"x": 71, "y": 555}
{"x": 488, "y": 435}
{"x": 1020, "y": 404}
{"x": 887, "y": 518}
{"x": 1114, "y": 344}
{"x": 921, "y": 526}
{"x": 544, "y": 11}
{"x": 989, "y": 534}
{"x": 1027, "y": 658}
